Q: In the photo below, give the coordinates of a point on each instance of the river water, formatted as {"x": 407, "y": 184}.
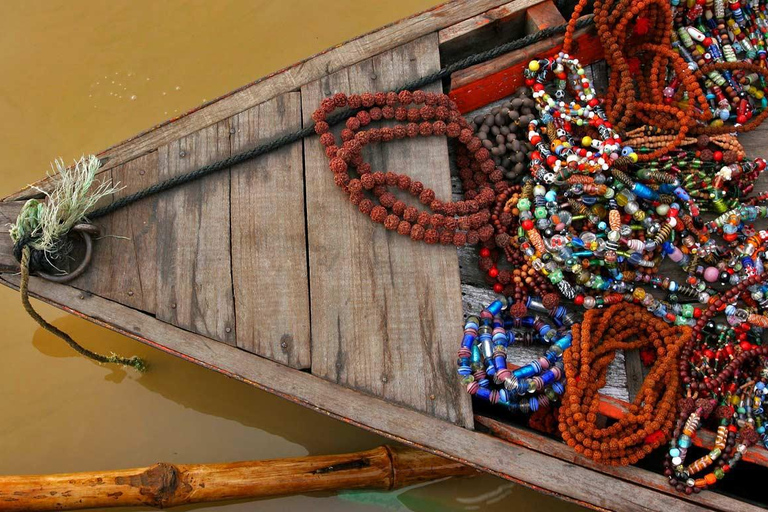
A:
{"x": 78, "y": 76}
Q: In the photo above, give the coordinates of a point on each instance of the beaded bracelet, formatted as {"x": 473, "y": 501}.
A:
{"x": 482, "y": 362}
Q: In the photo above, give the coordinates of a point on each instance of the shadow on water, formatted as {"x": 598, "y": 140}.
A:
{"x": 209, "y": 392}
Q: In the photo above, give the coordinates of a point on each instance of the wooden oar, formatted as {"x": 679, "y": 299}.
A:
{"x": 168, "y": 485}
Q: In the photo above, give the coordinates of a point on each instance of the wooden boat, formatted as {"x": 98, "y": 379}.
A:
{"x": 264, "y": 273}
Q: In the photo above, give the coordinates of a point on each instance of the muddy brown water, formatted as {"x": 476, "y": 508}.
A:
{"x": 78, "y": 76}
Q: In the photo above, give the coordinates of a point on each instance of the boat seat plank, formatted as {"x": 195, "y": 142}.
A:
{"x": 269, "y": 258}
{"x": 386, "y": 312}
{"x": 193, "y": 251}
{"x": 128, "y": 242}
{"x": 483, "y": 31}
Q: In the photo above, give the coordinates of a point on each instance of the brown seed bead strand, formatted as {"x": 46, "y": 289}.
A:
{"x": 418, "y": 114}
{"x": 640, "y": 64}
{"x": 520, "y": 280}
{"x": 652, "y": 414}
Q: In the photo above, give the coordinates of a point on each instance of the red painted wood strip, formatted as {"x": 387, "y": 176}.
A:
{"x": 496, "y": 79}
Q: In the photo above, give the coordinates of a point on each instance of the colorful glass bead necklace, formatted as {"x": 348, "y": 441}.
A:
{"x": 706, "y": 32}
{"x": 482, "y": 358}
{"x": 724, "y": 368}
{"x": 592, "y": 253}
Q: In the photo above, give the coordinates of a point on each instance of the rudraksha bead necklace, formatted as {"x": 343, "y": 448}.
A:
{"x": 502, "y": 131}
{"x": 482, "y": 362}
{"x": 419, "y": 114}
{"x": 652, "y": 83}
{"x": 652, "y": 413}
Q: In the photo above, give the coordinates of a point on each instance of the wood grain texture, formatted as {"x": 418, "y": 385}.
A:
{"x": 165, "y": 485}
{"x": 542, "y": 472}
{"x": 483, "y": 31}
{"x": 386, "y": 312}
{"x": 541, "y": 16}
{"x": 128, "y": 242}
{"x": 629, "y": 474}
{"x": 269, "y": 258}
{"x": 288, "y": 79}
{"x": 193, "y": 250}
{"x": 8, "y": 213}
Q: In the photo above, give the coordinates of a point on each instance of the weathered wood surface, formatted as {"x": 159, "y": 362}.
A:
{"x": 484, "y": 31}
{"x": 386, "y": 312}
{"x": 629, "y": 474}
{"x": 8, "y": 213}
{"x": 128, "y": 242}
{"x": 519, "y": 464}
{"x": 289, "y": 79}
{"x": 269, "y": 258}
{"x": 166, "y": 485}
{"x": 194, "y": 266}
{"x": 541, "y": 16}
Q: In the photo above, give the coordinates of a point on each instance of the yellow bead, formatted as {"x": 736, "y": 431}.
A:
{"x": 533, "y": 65}
{"x": 633, "y": 157}
{"x": 586, "y": 141}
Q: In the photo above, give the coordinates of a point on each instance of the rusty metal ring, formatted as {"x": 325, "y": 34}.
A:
{"x": 85, "y": 231}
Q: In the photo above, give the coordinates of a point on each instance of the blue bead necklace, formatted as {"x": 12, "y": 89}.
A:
{"x": 482, "y": 363}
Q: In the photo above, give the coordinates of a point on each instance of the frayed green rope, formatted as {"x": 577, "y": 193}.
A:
{"x": 134, "y": 362}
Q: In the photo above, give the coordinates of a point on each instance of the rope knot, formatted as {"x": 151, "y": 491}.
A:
{"x": 37, "y": 259}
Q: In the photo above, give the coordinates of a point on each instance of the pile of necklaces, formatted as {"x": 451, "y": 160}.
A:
{"x": 603, "y": 224}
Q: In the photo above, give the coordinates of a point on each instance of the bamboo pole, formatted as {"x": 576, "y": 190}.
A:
{"x": 165, "y": 485}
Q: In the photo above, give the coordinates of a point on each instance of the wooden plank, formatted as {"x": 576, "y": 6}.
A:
{"x": 193, "y": 251}
{"x": 288, "y": 79}
{"x": 490, "y": 81}
{"x": 516, "y": 463}
{"x": 483, "y": 31}
{"x": 128, "y": 242}
{"x": 269, "y": 258}
{"x": 386, "y": 312}
{"x": 635, "y": 372}
{"x": 8, "y": 213}
{"x": 599, "y": 75}
{"x": 629, "y": 474}
{"x": 541, "y": 16}
{"x": 754, "y": 145}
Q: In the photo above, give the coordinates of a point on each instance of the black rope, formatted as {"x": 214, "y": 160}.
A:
{"x": 310, "y": 129}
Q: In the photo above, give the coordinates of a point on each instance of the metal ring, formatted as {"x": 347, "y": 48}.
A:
{"x": 85, "y": 231}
